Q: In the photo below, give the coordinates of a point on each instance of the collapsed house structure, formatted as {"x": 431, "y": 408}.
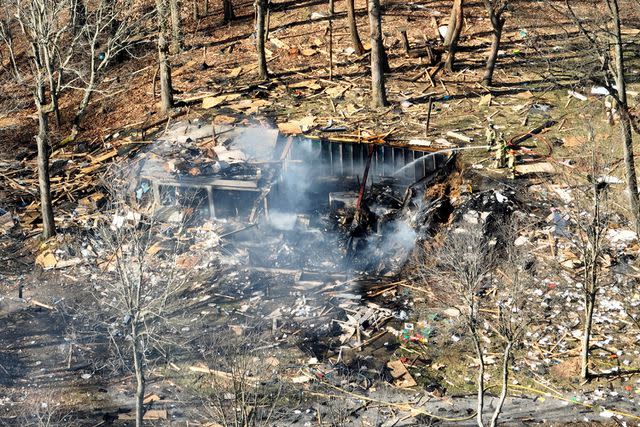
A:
{"x": 339, "y": 206}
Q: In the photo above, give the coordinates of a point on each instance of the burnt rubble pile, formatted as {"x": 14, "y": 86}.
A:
{"x": 276, "y": 236}
{"x": 488, "y": 208}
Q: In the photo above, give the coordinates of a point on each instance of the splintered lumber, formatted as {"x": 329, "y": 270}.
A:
{"x": 521, "y": 138}
{"x": 402, "y": 377}
{"x": 104, "y": 156}
{"x": 459, "y": 136}
{"x": 40, "y": 304}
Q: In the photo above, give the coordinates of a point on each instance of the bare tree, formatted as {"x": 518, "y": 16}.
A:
{"x": 606, "y": 44}
{"x": 356, "y": 43}
{"x": 495, "y": 10}
{"x": 589, "y": 220}
{"x": 514, "y": 302}
{"x": 244, "y": 386}
{"x": 6, "y": 35}
{"x": 107, "y": 31}
{"x": 46, "y": 411}
{"x": 166, "y": 86}
{"x": 378, "y": 56}
{"x": 456, "y": 21}
{"x": 261, "y": 7}
{"x": 227, "y": 11}
{"x": 142, "y": 294}
{"x": 177, "y": 42}
{"x": 463, "y": 266}
{"x": 47, "y": 32}
{"x": 46, "y": 26}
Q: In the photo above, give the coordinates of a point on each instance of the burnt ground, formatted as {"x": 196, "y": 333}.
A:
{"x": 37, "y": 379}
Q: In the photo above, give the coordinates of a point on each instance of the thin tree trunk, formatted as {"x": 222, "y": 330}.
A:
{"x": 44, "y": 183}
{"x": 8, "y": 38}
{"x": 229, "y": 14}
{"x": 268, "y": 24}
{"x": 378, "y": 89}
{"x": 84, "y": 104}
{"x": 498, "y": 25}
{"x": 139, "y": 373}
{"x": 166, "y": 88}
{"x": 261, "y": 14}
{"x": 176, "y": 27}
{"x": 453, "y": 32}
{"x": 590, "y": 298}
{"x": 480, "y": 380}
{"x": 625, "y": 120}
{"x": 331, "y": 46}
{"x": 505, "y": 383}
{"x": 53, "y": 88}
{"x": 356, "y": 43}
{"x": 332, "y": 7}
{"x": 206, "y": 7}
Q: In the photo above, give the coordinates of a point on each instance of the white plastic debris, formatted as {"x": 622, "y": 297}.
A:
{"x": 621, "y": 236}
{"x": 500, "y": 197}
{"x": 608, "y": 179}
{"x": 599, "y": 90}
{"x": 577, "y": 95}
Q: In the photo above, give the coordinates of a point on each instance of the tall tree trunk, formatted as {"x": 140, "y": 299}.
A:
{"x": 261, "y": 14}
{"x": 138, "y": 364}
{"x": 356, "y": 43}
{"x": 176, "y": 27}
{"x": 480, "y": 380}
{"x": 625, "y": 119}
{"x": 590, "y": 300}
{"x": 453, "y": 32}
{"x": 497, "y": 23}
{"x": 229, "y": 14}
{"x": 166, "y": 88}
{"x": 506, "y": 356}
{"x": 378, "y": 89}
{"x": 44, "y": 183}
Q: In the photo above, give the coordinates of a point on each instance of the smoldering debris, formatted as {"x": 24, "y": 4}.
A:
{"x": 266, "y": 238}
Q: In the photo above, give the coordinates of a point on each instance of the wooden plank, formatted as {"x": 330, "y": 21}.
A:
{"x": 104, "y": 156}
